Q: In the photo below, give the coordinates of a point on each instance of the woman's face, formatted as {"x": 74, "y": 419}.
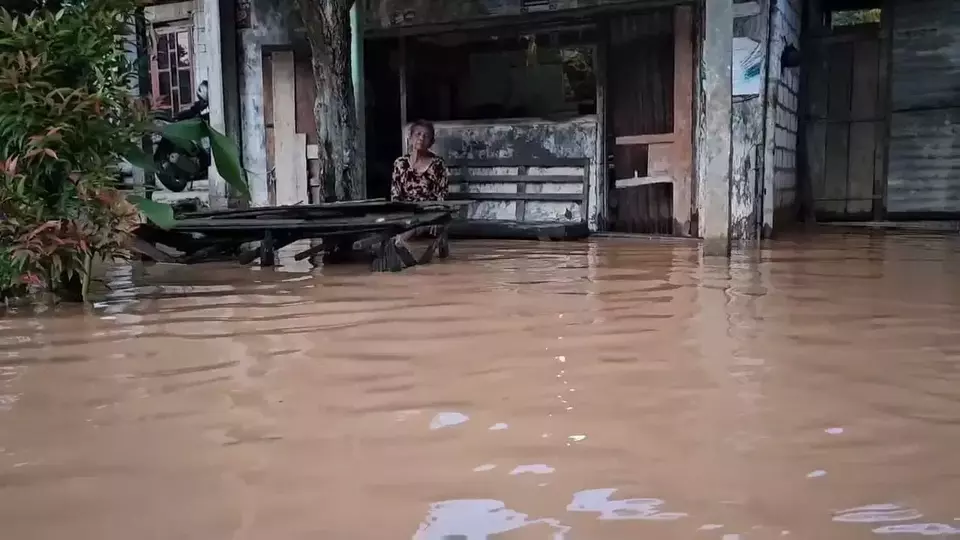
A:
{"x": 420, "y": 138}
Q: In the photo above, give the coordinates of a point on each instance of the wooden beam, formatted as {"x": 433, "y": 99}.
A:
{"x": 510, "y": 179}
{"x": 682, "y": 148}
{"x": 474, "y": 196}
{"x": 644, "y": 181}
{"x": 655, "y": 138}
{"x": 521, "y": 162}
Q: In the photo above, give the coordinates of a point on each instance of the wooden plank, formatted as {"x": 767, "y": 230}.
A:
{"x": 654, "y": 138}
{"x": 837, "y": 169}
{"x": 285, "y": 127}
{"x": 268, "y": 128}
{"x": 840, "y": 73}
{"x": 403, "y": 67}
{"x": 816, "y": 146}
{"x": 746, "y": 9}
{"x": 643, "y": 181}
{"x": 885, "y": 61}
{"x": 306, "y": 93}
{"x": 660, "y": 159}
{"x": 818, "y": 80}
{"x": 473, "y": 196}
{"x": 513, "y": 178}
{"x": 521, "y": 162}
{"x": 521, "y": 205}
{"x": 866, "y": 88}
{"x": 299, "y": 158}
{"x": 863, "y": 148}
{"x": 683, "y": 192}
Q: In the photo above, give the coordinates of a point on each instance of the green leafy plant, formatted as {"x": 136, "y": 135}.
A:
{"x": 67, "y": 120}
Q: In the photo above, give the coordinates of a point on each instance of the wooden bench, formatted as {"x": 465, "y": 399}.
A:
{"x": 465, "y": 180}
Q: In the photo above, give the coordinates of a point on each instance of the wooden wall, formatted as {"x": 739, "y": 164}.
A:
{"x": 845, "y": 137}
{"x": 290, "y": 125}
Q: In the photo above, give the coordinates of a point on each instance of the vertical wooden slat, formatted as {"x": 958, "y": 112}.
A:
{"x": 865, "y": 77}
{"x": 306, "y": 97}
{"x": 863, "y": 146}
{"x": 271, "y": 141}
{"x": 863, "y": 132}
{"x": 285, "y": 127}
{"x": 885, "y": 62}
{"x": 521, "y": 205}
{"x": 682, "y": 120}
{"x": 298, "y": 158}
{"x": 403, "y": 87}
{"x": 816, "y": 146}
{"x": 837, "y": 166}
{"x": 603, "y": 133}
{"x": 838, "y": 130}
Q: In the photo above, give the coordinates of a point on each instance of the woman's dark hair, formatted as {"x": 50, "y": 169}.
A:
{"x": 427, "y": 126}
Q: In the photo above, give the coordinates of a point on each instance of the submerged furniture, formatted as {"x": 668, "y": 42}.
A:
{"x": 342, "y": 231}
{"x": 524, "y": 199}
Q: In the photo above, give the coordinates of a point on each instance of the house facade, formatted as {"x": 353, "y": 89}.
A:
{"x": 718, "y": 119}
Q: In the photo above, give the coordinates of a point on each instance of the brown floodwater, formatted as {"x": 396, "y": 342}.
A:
{"x": 610, "y": 390}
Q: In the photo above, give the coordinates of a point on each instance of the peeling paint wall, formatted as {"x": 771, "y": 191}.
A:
{"x": 528, "y": 139}
{"x": 747, "y": 122}
{"x": 270, "y": 24}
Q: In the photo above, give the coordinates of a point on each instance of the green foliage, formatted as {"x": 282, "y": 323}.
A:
{"x": 67, "y": 120}
{"x": 66, "y": 115}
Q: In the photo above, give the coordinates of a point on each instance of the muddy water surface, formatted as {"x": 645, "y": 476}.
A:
{"x": 609, "y": 390}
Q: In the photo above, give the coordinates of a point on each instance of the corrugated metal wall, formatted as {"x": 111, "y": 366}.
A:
{"x": 924, "y": 167}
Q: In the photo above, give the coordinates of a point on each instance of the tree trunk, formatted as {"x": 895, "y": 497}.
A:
{"x": 328, "y": 29}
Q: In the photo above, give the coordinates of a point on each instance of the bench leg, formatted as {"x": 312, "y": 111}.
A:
{"x": 386, "y": 257}
{"x": 267, "y": 251}
{"x": 444, "y": 244}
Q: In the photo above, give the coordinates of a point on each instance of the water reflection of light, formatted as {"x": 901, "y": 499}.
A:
{"x": 598, "y": 500}
{"x": 447, "y": 419}
{"x": 477, "y": 519}
{"x": 922, "y": 529}
{"x": 876, "y": 513}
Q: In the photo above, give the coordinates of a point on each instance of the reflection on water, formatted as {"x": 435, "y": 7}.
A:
{"x": 609, "y": 389}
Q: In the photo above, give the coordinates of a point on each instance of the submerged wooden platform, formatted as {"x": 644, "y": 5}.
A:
{"x": 365, "y": 230}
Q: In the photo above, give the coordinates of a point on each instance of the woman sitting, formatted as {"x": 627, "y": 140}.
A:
{"x": 420, "y": 175}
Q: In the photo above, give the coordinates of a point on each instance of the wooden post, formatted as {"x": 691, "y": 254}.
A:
{"x": 267, "y": 251}
{"x": 403, "y": 90}
{"x": 682, "y": 120}
{"x": 211, "y": 21}
{"x": 714, "y": 146}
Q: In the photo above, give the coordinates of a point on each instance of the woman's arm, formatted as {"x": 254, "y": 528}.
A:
{"x": 396, "y": 181}
{"x": 442, "y": 178}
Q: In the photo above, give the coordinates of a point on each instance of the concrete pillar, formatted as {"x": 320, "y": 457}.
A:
{"x": 356, "y": 62}
{"x": 211, "y": 13}
{"x": 714, "y": 147}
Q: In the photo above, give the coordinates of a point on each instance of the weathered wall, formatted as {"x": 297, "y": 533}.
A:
{"x": 394, "y": 13}
{"x": 783, "y": 86}
{"x": 268, "y": 25}
{"x": 529, "y": 139}
{"x": 747, "y": 131}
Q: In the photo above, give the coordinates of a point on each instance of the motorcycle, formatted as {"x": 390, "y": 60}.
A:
{"x": 179, "y": 167}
